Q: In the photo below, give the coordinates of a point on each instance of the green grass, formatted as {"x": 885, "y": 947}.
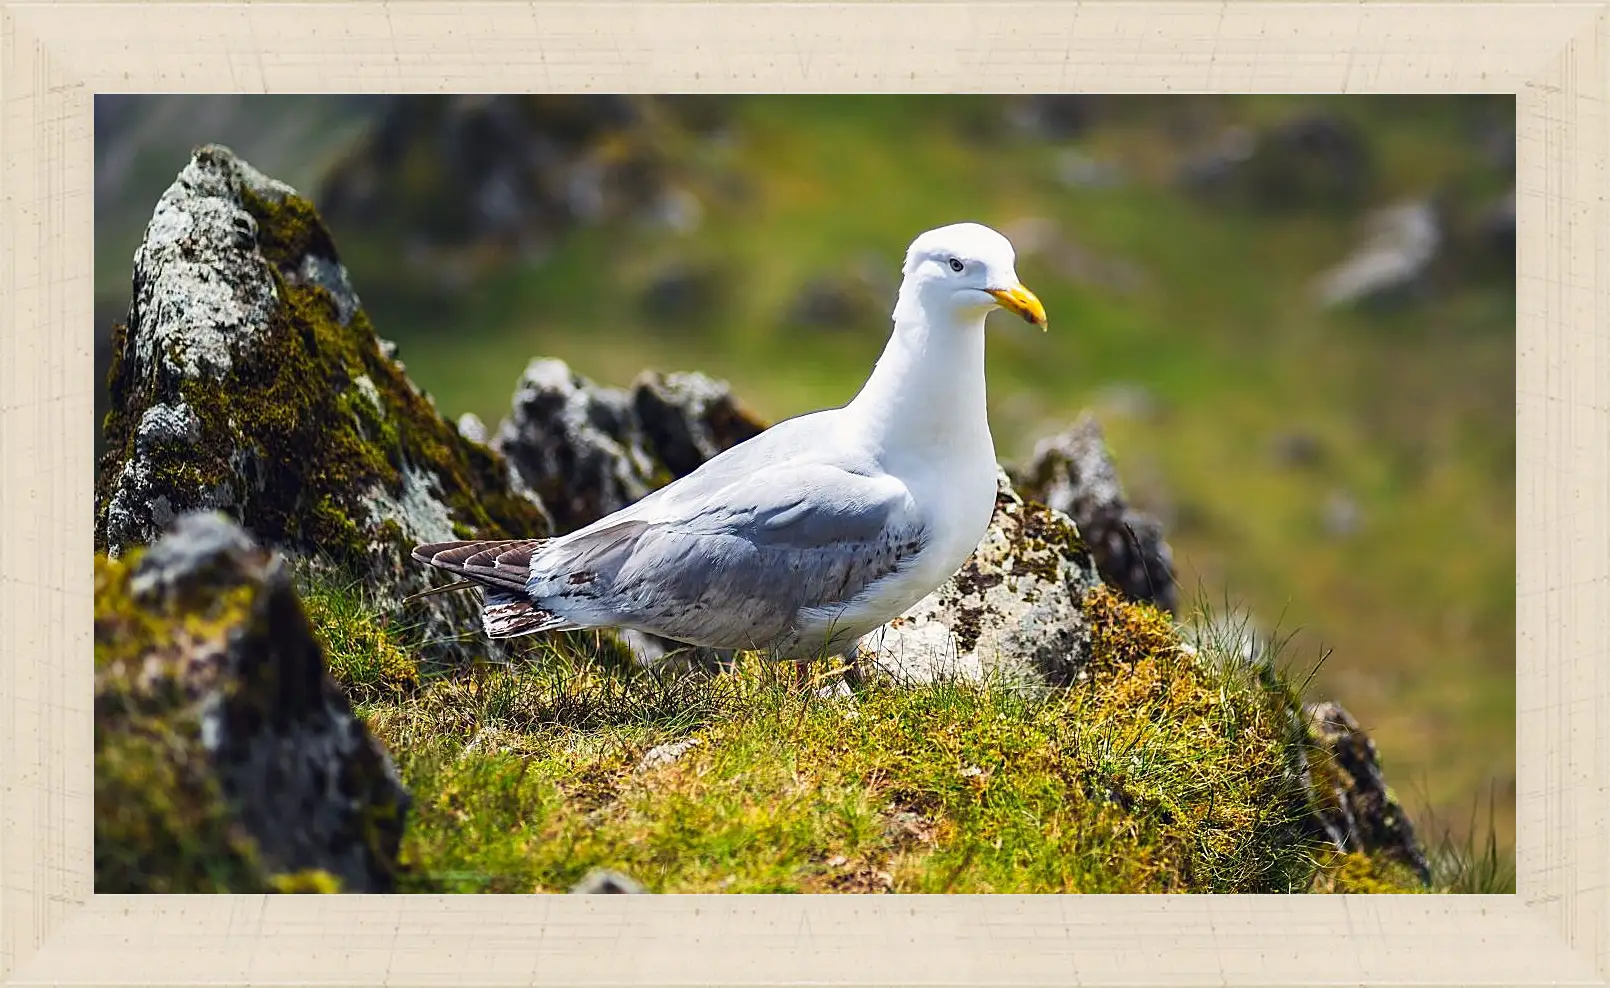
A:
{"x": 1411, "y": 407}
{"x": 1163, "y": 771}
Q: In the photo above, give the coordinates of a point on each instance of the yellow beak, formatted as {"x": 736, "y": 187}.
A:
{"x": 1021, "y": 301}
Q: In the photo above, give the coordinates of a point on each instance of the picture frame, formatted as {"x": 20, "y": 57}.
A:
{"x": 1555, "y": 58}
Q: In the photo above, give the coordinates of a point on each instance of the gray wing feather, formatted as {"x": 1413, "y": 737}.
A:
{"x": 733, "y": 564}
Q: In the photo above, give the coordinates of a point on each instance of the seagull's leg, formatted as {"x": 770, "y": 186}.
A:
{"x": 852, "y": 675}
{"x": 852, "y": 657}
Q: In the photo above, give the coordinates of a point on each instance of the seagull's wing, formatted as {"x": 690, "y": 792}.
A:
{"x": 731, "y": 564}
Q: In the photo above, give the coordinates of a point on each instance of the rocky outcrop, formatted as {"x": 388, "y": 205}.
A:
{"x": 588, "y": 451}
{"x": 514, "y": 171}
{"x": 1073, "y": 473}
{"x": 225, "y": 758}
{"x": 1352, "y": 801}
{"x": 249, "y": 380}
{"x": 1013, "y": 613}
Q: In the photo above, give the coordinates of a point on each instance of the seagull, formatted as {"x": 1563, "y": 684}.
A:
{"x": 824, "y": 527}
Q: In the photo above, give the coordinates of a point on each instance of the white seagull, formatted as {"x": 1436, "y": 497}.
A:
{"x": 817, "y": 531}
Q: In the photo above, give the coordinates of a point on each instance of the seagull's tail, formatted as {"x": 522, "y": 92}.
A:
{"x": 501, "y": 567}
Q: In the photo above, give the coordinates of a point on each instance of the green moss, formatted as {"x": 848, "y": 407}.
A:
{"x": 1042, "y": 539}
{"x": 1367, "y": 874}
{"x": 310, "y": 880}
{"x": 370, "y": 447}
{"x": 1125, "y": 632}
{"x": 161, "y": 823}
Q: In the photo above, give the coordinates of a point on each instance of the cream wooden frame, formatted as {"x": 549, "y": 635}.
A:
{"x": 54, "y": 57}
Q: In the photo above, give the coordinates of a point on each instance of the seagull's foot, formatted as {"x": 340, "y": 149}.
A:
{"x": 852, "y": 671}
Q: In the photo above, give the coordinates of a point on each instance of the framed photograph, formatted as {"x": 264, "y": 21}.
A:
{"x": 909, "y": 493}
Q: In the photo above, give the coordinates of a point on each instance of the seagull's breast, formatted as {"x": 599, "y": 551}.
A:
{"x": 953, "y": 499}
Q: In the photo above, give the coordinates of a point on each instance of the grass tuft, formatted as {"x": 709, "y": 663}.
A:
{"x": 1164, "y": 770}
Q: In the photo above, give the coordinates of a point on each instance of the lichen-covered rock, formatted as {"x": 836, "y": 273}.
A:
{"x": 1073, "y": 473}
{"x": 588, "y": 451}
{"x": 1013, "y": 613}
{"x": 225, "y": 758}
{"x": 1352, "y": 801}
{"x": 249, "y": 380}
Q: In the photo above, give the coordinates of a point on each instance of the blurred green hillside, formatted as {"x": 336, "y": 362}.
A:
{"x": 1345, "y": 474}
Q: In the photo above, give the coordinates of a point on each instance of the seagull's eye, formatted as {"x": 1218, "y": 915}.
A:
{"x": 955, "y": 265}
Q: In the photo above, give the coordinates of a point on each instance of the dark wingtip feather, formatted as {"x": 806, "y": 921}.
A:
{"x": 503, "y": 563}
{"x": 507, "y": 615}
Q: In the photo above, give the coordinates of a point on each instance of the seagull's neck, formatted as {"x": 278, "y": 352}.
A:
{"x": 927, "y": 391}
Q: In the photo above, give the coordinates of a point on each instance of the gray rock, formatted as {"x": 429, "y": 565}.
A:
{"x": 1078, "y": 170}
{"x": 1014, "y": 613}
{"x": 589, "y": 450}
{"x": 681, "y": 291}
{"x": 1056, "y": 116}
{"x": 249, "y": 379}
{"x": 1073, "y": 473}
{"x": 472, "y": 428}
{"x": 688, "y": 418}
{"x": 201, "y": 291}
{"x": 665, "y": 754}
{"x": 603, "y": 880}
{"x": 1401, "y": 244}
{"x": 228, "y": 721}
{"x": 1341, "y": 515}
{"x": 577, "y": 445}
{"x": 164, "y": 424}
{"x": 1355, "y": 805}
{"x": 840, "y": 301}
{"x": 203, "y": 552}
{"x": 1297, "y": 449}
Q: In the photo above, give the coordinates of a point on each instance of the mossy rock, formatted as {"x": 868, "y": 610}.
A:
{"x": 250, "y": 380}
{"x": 1353, "y": 803}
{"x": 226, "y": 760}
{"x": 1074, "y": 473}
{"x": 1013, "y": 612}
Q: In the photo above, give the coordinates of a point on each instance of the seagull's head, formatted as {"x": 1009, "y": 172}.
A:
{"x": 964, "y": 268}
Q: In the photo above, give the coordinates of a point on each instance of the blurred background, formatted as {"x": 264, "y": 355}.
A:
{"x": 1294, "y": 317}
